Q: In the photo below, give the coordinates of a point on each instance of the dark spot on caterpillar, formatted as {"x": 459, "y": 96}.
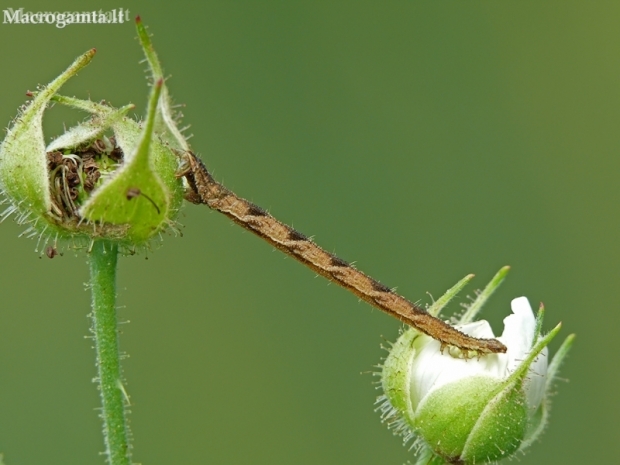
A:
{"x": 338, "y": 262}
{"x": 255, "y": 210}
{"x": 377, "y": 286}
{"x": 296, "y": 236}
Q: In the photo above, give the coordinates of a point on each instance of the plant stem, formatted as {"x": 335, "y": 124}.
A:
{"x": 103, "y": 260}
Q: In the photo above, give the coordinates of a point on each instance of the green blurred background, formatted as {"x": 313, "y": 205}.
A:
{"x": 424, "y": 140}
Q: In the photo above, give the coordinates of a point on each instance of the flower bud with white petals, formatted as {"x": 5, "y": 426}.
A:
{"x": 478, "y": 410}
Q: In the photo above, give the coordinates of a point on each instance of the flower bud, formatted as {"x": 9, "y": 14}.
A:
{"x": 109, "y": 177}
{"x": 471, "y": 411}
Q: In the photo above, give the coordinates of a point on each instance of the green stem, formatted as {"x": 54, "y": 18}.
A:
{"x": 103, "y": 259}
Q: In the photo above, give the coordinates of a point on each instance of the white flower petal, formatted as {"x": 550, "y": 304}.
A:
{"x": 479, "y": 329}
{"x": 431, "y": 369}
{"x": 518, "y": 335}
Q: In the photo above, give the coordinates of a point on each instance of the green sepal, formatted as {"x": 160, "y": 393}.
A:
{"x": 538, "y": 421}
{"x": 89, "y": 130}
{"x": 134, "y": 196}
{"x": 451, "y": 293}
{"x": 396, "y": 374}
{"x": 23, "y": 161}
{"x": 490, "y": 288}
{"x": 474, "y": 420}
{"x": 128, "y": 133}
{"x": 500, "y": 428}
{"x": 165, "y": 124}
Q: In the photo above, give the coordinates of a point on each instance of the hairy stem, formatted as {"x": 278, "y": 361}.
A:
{"x": 103, "y": 260}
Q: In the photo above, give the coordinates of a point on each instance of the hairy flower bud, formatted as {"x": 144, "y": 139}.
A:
{"x": 109, "y": 177}
{"x": 471, "y": 411}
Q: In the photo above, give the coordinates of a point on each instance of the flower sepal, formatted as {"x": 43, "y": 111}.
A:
{"x": 478, "y": 410}
{"x": 109, "y": 177}
{"x": 23, "y": 163}
{"x": 475, "y": 420}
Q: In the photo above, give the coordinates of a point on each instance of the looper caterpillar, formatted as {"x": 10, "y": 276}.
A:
{"x": 205, "y": 190}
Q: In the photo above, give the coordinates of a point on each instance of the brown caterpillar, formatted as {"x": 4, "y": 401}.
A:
{"x": 205, "y": 190}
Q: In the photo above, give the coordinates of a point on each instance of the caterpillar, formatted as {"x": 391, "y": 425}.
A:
{"x": 204, "y": 189}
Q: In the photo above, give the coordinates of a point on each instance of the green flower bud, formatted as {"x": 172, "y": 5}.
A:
{"x": 471, "y": 411}
{"x": 109, "y": 177}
